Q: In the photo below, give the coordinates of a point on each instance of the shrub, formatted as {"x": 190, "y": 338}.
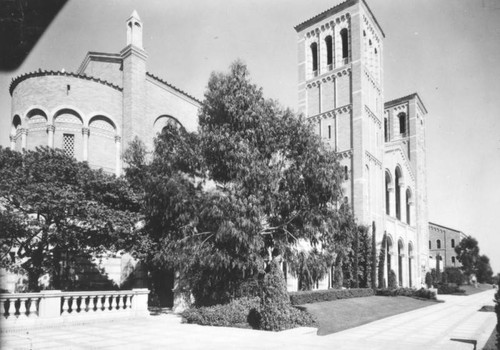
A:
{"x": 227, "y": 315}
{"x": 428, "y": 280}
{"x": 276, "y": 312}
{"x": 497, "y": 310}
{"x": 407, "y": 292}
{"x": 392, "y": 279}
{"x": 447, "y": 289}
{"x": 316, "y": 296}
{"x": 454, "y": 275}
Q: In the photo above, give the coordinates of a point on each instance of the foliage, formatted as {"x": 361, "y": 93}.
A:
{"x": 359, "y": 259}
{"x": 429, "y": 280}
{"x": 448, "y": 289}
{"x": 253, "y": 179}
{"x": 497, "y": 311}
{"x": 317, "y": 296}
{"x": 454, "y": 275}
{"x": 276, "y": 311}
{"x": 52, "y": 206}
{"x": 234, "y": 313}
{"x": 484, "y": 271}
{"x": 407, "y": 292}
{"x": 438, "y": 278}
{"x": 309, "y": 267}
{"x": 468, "y": 255}
{"x": 392, "y": 280}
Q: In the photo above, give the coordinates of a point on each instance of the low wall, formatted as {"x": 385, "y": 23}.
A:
{"x": 53, "y": 307}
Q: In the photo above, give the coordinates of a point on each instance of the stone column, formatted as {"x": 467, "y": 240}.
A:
{"x": 12, "y": 142}
{"x": 50, "y": 133}
{"x": 86, "y": 133}
{"x": 24, "y": 135}
{"x": 118, "y": 146}
{"x": 402, "y": 197}
{"x": 392, "y": 200}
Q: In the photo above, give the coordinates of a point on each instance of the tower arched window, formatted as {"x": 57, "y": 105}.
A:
{"x": 403, "y": 129}
{"x": 345, "y": 43}
{"x": 387, "y": 195}
{"x": 430, "y": 244}
{"x": 438, "y": 244}
{"x": 346, "y": 172}
{"x": 408, "y": 201}
{"x": 453, "y": 243}
{"x": 398, "y": 193}
{"x": 314, "y": 55}
{"x": 329, "y": 50}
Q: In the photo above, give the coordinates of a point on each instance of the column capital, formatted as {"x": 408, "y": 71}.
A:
{"x": 118, "y": 138}
{"x": 51, "y": 128}
{"x": 23, "y": 131}
{"x": 86, "y": 131}
{"x": 12, "y": 138}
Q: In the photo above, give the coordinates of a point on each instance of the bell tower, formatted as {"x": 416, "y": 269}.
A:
{"x": 341, "y": 90}
{"x": 134, "y": 82}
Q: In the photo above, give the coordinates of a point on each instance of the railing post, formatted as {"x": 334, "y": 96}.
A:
{"x": 50, "y": 304}
{"x": 140, "y": 301}
{"x": 2, "y": 308}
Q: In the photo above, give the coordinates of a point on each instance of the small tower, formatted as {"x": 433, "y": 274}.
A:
{"x": 134, "y": 82}
{"x": 134, "y": 30}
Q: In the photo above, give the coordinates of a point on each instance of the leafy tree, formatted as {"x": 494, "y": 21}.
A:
{"x": 454, "y": 275}
{"x": 51, "y": 205}
{"x": 255, "y": 178}
{"x": 381, "y": 262}
{"x": 468, "y": 255}
{"x": 497, "y": 311}
{"x": 484, "y": 271}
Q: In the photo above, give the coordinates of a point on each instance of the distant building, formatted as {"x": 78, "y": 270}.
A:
{"x": 442, "y": 243}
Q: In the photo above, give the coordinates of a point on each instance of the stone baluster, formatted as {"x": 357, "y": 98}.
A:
{"x": 22, "y": 307}
{"x": 2, "y": 308}
{"x": 88, "y": 303}
{"x": 101, "y": 301}
{"x": 32, "y": 309}
{"x": 106, "y": 303}
{"x": 110, "y": 302}
{"x": 117, "y": 302}
{"x": 65, "y": 306}
{"x": 123, "y": 306}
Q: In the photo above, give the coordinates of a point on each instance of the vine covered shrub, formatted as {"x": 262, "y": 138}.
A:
{"x": 227, "y": 315}
{"x": 276, "y": 311}
{"x": 447, "y": 289}
{"x": 428, "y": 280}
{"x": 316, "y": 296}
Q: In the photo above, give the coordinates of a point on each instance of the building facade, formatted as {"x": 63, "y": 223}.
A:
{"x": 380, "y": 145}
{"x": 442, "y": 243}
{"x": 96, "y": 111}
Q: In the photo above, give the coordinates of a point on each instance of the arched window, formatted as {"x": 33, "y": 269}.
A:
{"x": 387, "y": 195}
{"x": 400, "y": 262}
{"x": 398, "y": 193}
{"x": 345, "y": 47}
{"x": 408, "y": 201}
{"x": 402, "y": 123}
{"x": 329, "y": 50}
{"x": 453, "y": 243}
{"x": 386, "y": 130}
{"x": 314, "y": 53}
{"x": 430, "y": 245}
{"x": 453, "y": 260}
{"x": 346, "y": 173}
{"x": 438, "y": 244}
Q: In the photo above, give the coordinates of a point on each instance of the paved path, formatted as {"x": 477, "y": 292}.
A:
{"x": 431, "y": 327}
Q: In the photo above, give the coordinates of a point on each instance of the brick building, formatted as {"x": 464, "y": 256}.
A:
{"x": 442, "y": 243}
{"x": 381, "y": 145}
{"x": 96, "y": 111}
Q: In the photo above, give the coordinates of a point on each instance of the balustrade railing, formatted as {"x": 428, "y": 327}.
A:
{"x": 66, "y": 305}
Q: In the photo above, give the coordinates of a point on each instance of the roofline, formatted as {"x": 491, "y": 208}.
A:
{"x": 448, "y": 228}
{"x": 343, "y": 5}
{"x": 98, "y": 56}
{"x": 41, "y": 73}
{"x": 399, "y": 100}
{"x": 158, "y": 79}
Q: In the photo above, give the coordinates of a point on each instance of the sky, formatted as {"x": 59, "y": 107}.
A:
{"x": 448, "y": 51}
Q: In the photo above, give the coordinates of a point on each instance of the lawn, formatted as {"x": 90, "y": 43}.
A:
{"x": 338, "y": 315}
{"x": 470, "y": 289}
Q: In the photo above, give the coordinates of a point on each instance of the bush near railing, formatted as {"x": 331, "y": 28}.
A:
{"x": 316, "y": 296}
{"x": 407, "y": 292}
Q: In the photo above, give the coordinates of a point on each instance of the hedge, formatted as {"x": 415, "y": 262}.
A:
{"x": 447, "y": 289}
{"x": 316, "y": 296}
{"x": 407, "y": 292}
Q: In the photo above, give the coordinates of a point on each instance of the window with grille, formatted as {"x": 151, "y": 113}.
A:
{"x": 69, "y": 144}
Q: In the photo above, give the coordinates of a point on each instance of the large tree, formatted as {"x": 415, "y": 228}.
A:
{"x": 256, "y": 178}
{"x": 468, "y": 255}
{"x": 51, "y": 206}
{"x": 484, "y": 270}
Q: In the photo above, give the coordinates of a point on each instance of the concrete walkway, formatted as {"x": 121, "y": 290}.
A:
{"x": 431, "y": 327}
